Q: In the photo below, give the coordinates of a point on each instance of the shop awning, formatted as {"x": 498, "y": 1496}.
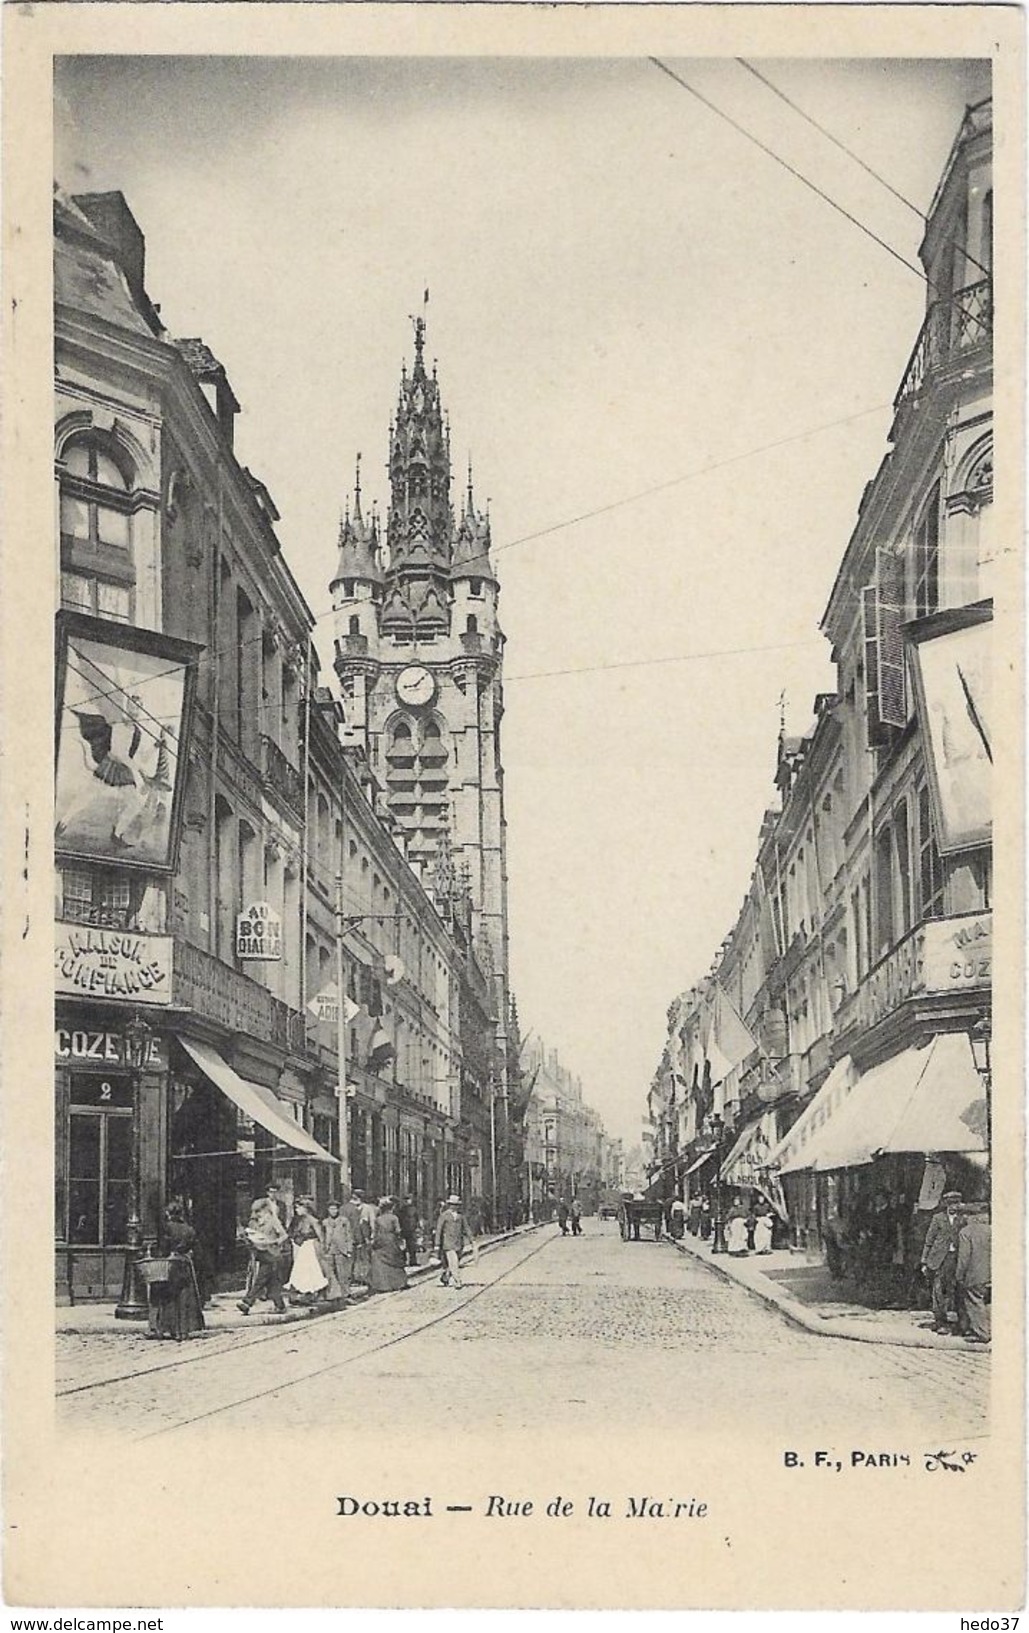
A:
{"x": 791, "y": 1153}
{"x": 699, "y": 1162}
{"x": 947, "y": 1111}
{"x": 751, "y": 1154}
{"x": 926, "y": 1099}
{"x": 257, "y": 1102}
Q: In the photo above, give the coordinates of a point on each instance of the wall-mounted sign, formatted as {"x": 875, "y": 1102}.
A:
{"x": 259, "y": 933}
{"x": 952, "y": 687}
{"x": 124, "y": 699}
{"x": 88, "y": 1046}
{"x": 939, "y": 956}
{"x": 92, "y": 963}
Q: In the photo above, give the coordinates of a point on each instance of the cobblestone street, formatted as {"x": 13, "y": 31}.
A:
{"x": 586, "y": 1333}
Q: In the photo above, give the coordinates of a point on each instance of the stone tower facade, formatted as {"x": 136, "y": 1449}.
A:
{"x": 419, "y": 656}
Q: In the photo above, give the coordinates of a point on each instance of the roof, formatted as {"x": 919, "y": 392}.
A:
{"x": 87, "y": 274}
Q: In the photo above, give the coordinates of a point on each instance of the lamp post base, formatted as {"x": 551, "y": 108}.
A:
{"x": 134, "y": 1302}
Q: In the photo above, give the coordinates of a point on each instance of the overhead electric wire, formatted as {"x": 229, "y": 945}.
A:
{"x": 681, "y": 657}
{"x": 690, "y": 476}
{"x": 793, "y": 171}
{"x": 835, "y": 140}
{"x": 208, "y": 655}
{"x": 856, "y": 157}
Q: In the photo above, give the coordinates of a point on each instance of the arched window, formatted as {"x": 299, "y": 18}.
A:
{"x": 355, "y": 624}
{"x": 472, "y": 626}
{"x": 97, "y": 570}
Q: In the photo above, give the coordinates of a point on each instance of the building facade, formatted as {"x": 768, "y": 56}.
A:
{"x": 220, "y": 832}
{"x": 834, "y": 1052}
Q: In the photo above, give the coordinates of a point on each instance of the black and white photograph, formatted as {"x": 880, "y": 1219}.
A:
{"x": 528, "y": 739}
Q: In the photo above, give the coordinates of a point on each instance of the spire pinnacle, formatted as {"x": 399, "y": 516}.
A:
{"x": 470, "y": 509}
{"x": 357, "y": 488}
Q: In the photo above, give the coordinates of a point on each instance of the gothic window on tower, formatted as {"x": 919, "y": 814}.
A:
{"x": 475, "y": 587}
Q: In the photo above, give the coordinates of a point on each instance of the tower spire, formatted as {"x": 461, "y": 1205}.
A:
{"x": 357, "y": 489}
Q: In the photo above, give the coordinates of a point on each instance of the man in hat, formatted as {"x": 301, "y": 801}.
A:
{"x": 940, "y": 1257}
{"x": 973, "y": 1272}
{"x": 452, "y": 1236}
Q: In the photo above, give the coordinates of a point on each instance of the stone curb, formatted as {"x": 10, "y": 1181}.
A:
{"x": 826, "y": 1327}
{"x": 238, "y": 1322}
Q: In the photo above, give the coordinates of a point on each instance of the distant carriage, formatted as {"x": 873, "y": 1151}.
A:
{"x": 634, "y": 1212}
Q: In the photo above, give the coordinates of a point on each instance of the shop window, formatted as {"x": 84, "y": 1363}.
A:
{"x": 99, "y": 1166}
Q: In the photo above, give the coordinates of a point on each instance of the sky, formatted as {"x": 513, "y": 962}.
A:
{"x": 625, "y": 295}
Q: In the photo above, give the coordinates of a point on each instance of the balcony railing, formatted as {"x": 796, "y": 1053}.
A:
{"x": 215, "y": 990}
{"x": 952, "y": 328}
{"x": 283, "y": 778}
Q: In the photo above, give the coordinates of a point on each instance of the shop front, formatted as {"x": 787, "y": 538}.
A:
{"x": 866, "y": 1164}
{"x": 97, "y": 1090}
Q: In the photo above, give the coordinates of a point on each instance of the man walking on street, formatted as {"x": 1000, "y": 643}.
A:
{"x": 562, "y": 1216}
{"x": 407, "y": 1215}
{"x": 576, "y": 1212}
{"x": 973, "y": 1272}
{"x": 940, "y": 1257}
{"x": 452, "y": 1236}
{"x": 338, "y": 1253}
{"x": 268, "y": 1241}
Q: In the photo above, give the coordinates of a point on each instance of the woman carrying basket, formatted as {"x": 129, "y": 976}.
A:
{"x": 175, "y": 1304}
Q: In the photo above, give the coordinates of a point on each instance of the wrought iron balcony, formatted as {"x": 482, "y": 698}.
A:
{"x": 282, "y": 777}
{"x": 952, "y": 328}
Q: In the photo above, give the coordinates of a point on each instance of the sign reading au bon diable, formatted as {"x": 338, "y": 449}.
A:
{"x": 93, "y": 963}
{"x": 259, "y": 933}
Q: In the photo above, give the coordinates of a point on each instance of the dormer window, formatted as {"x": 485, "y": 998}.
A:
{"x": 475, "y": 587}
{"x": 348, "y": 588}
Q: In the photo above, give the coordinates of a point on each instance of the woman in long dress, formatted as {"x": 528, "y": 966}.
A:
{"x": 736, "y": 1230}
{"x": 388, "y": 1274}
{"x": 307, "y": 1278}
{"x": 763, "y": 1230}
{"x": 175, "y": 1304}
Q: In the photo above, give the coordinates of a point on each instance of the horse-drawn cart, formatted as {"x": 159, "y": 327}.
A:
{"x": 635, "y": 1211}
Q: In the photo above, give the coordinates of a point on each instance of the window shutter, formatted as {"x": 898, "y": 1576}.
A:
{"x": 870, "y": 633}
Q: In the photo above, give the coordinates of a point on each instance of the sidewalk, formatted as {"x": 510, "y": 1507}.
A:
{"x": 805, "y": 1294}
{"x": 223, "y": 1315}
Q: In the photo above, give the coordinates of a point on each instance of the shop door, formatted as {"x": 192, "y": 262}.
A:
{"x": 98, "y": 1187}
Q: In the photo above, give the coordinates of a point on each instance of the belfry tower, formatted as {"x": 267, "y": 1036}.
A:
{"x": 419, "y": 656}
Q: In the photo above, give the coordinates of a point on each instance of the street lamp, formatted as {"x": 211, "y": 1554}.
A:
{"x": 717, "y": 1127}
{"x": 980, "y": 1038}
{"x": 132, "y": 1306}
